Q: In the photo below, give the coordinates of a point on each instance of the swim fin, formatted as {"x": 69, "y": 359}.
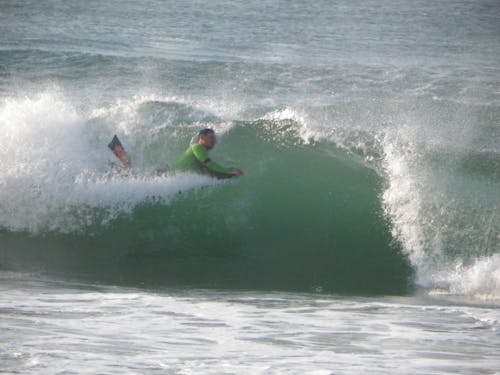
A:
{"x": 116, "y": 146}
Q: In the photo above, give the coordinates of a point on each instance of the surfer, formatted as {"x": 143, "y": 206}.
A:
{"x": 196, "y": 159}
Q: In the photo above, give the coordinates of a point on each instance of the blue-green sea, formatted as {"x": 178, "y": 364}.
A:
{"x": 363, "y": 238}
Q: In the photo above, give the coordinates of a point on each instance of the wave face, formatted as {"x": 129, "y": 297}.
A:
{"x": 307, "y": 216}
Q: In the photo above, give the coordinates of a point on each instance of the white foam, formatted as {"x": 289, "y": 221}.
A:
{"x": 402, "y": 198}
{"x": 201, "y": 331}
{"x": 53, "y": 173}
{"x": 480, "y": 280}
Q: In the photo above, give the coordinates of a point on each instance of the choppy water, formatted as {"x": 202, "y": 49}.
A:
{"x": 369, "y": 134}
{"x": 55, "y": 327}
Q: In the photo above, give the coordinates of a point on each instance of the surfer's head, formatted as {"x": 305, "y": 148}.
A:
{"x": 206, "y": 137}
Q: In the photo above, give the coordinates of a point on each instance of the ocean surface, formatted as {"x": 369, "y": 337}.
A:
{"x": 363, "y": 238}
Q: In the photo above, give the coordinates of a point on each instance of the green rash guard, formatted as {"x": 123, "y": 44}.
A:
{"x": 196, "y": 159}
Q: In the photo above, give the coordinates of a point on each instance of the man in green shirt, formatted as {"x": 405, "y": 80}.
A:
{"x": 196, "y": 158}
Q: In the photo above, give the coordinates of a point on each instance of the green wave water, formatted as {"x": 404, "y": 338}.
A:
{"x": 305, "y": 217}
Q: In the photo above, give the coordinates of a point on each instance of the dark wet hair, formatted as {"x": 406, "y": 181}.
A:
{"x": 204, "y": 132}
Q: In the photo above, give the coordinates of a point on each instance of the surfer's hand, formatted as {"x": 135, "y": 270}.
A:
{"x": 236, "y": 172}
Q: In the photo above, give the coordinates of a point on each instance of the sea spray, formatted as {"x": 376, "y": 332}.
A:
{"x": 55, "y": 177}
{"x": 444, "y": 214}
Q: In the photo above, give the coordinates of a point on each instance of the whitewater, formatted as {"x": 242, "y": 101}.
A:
{"x": 364, "y": 236}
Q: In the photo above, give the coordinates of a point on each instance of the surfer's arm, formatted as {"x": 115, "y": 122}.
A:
{"x": 202, "y": 155}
